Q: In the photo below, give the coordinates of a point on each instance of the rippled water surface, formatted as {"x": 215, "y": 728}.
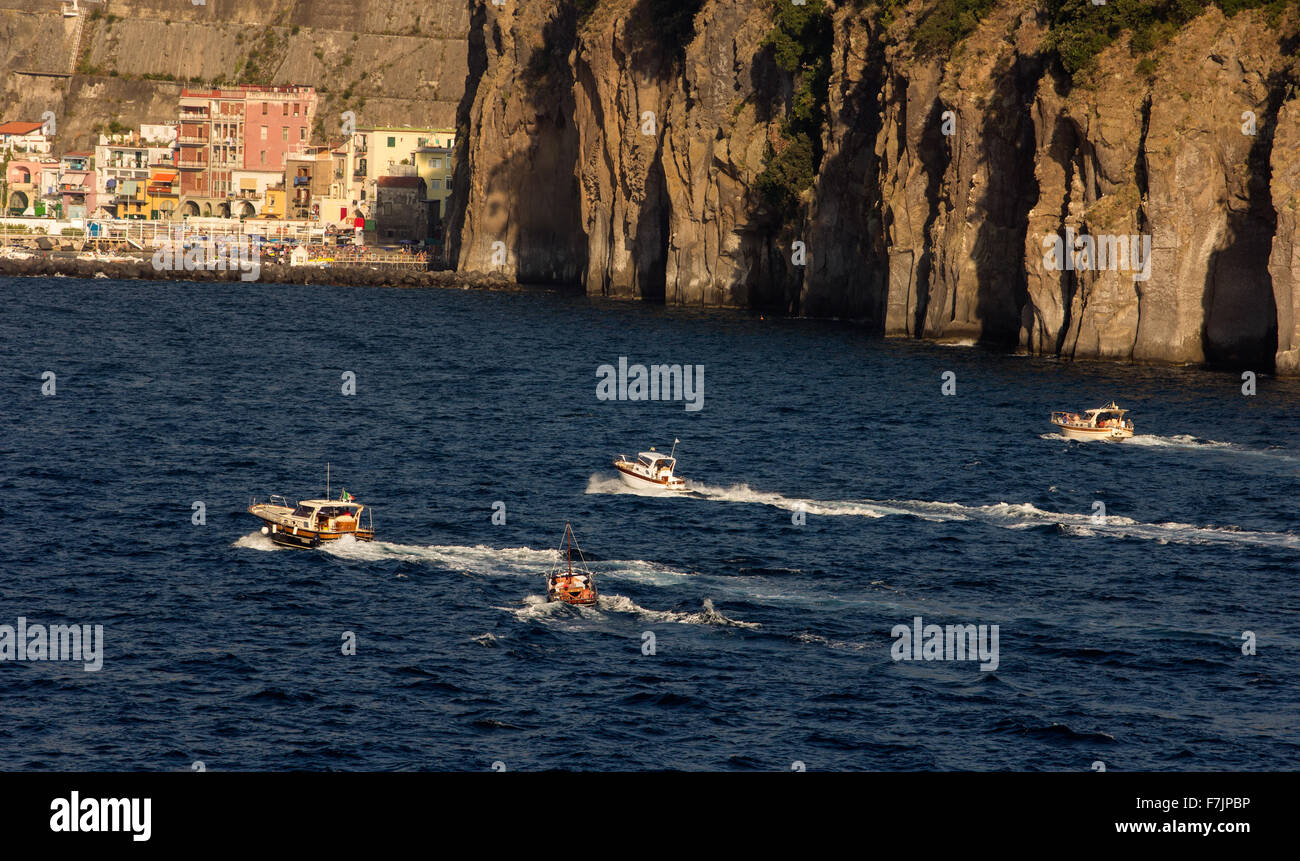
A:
{"x": 1119, "y": 637}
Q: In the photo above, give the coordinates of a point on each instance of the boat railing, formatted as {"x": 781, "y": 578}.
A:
{"x": 1067, "y": 418}
{"x": 273, "y": 499}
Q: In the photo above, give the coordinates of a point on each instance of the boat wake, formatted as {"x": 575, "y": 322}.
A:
{"x": 744, "y": 493}
{"x": 476, "y": 559}
{"x": 1184, "y": 441}
{"x": 1181, "y": 440}
{"x": 1013, "y": 515}
{"x": 536, "y": 607}
{"x": 256, "y": 541}
{"x": 482, "y": 560}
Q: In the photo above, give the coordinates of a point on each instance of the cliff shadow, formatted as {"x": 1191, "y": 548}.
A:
{"x": 1008, "y": 139}
{"x": 661, "y": 29}
{"x": 477, "y": 63}
{"x": 935, "y": 155}
{"x": 847, "y": 274}
{"x": 1239, "y": 319}
{"x": 651, "y": 239}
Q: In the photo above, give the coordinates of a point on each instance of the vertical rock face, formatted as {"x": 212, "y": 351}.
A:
{"x": 848, "y": 263}
{"x": 620, "y": 168}
{"x": 948, "y": 188}
{"x": 1284, "y": 261}
{"x": 515, "y": 204}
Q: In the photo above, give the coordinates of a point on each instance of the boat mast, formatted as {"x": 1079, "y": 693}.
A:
{"x": 674, "y": 451}
{"x": 327, "y": 479}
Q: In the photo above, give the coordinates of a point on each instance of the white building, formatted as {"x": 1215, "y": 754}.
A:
{"x": 24, "y": 137}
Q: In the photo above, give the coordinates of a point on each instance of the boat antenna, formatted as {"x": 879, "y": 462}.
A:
{"x": 327, "y": 479}
{"x": 674, "y": 451}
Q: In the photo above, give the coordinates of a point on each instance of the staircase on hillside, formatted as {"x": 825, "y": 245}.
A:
{"x": 78, "y": 28}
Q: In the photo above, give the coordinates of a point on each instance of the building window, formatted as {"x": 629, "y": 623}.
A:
{"x": 263, "y": 132}
{"x": 434, "y": 185}
{"x": 302, "y": 133}
{"x": 295, "y": 109}
{"x": 422, "y": 141}
{"x": 264, "y": 107}
{"x": 392, "y": 142}
{"x": 284, "y": 134}
{"x": 286, "y": 108}
{"x": 436, "y": 164}
{"x": 263, "y": 156}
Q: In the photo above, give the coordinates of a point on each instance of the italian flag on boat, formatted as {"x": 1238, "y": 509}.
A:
{"x": 347, "y": 497}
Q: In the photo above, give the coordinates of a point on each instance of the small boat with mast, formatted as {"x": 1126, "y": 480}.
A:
{"x": 652, "y": 471}
{"x": 312, "y": 521}
{"x": 567, "y": 583}
{"x": 1106, "y": 422}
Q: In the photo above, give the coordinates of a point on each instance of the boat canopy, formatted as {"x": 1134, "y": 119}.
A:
{"x": 330, "y": 507}
{"x": 1112, "y": 407}
{"x": 652, "y": 457}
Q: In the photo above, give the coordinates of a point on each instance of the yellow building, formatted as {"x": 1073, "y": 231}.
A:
{"x": 154, "y": 199}
{"x": 387, "y": 151}
{"x": 434, "y": 166}
{"x": 275, "y": 203}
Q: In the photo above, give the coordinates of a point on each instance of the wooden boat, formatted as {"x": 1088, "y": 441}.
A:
{"x": 568, "y": 583}
{"x": 1106, "y": 422}
{"x": 651, "y": 471}
{"x": 312, "y": 521}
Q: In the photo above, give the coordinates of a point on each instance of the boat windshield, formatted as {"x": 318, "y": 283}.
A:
{"x": 302, "y": 511}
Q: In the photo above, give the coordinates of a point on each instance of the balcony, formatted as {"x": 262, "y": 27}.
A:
{"x": 192, "y": 139}
{"x": 301, "y": 181}
{"x": 192, "y": 163}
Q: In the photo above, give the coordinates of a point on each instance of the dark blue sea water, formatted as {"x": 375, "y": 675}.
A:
{"x": 1120, "y": 640}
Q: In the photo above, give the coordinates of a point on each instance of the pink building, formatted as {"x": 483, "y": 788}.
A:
{"x": 23, "y": 186}
{"x": 239, "y": 128}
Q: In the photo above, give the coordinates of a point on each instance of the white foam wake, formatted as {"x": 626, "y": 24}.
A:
{"x": 1012, "y": 515}
{"x": 476, "y": 559}
{"x": 536, "y": 607}
{"x": 1183, "y": 441}
{"x": 256, "y": 541}
{"x": 482, "y": 560}
{"x": 1177, "y": 441}
{"x": 744, "y": 493}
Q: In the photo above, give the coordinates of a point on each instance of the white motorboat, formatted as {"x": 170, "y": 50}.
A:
{"x": 651, "y": 471}
{"x": 1106, "y": 422}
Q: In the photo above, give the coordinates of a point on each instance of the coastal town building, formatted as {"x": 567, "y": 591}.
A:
{"x": 245, "y": 128}
{"x": 381, "y": 151}
{"x": 125, "y": 158}
{"x": 244, "y": 153}
{"x": 433, "y": 164}
{"x": 25, "y": 191}
{"x": 77, "y": 195}
{"x": 25, "y": 138}
{"x": 401, "y": 211}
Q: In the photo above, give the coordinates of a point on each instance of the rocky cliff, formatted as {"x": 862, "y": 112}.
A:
{"x": 659, "y": 150}
{"x": 399, "y": 62}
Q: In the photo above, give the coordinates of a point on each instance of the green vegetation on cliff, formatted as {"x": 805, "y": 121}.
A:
{"x": 800, "y": 42}
{"x": 1080, "y": 30}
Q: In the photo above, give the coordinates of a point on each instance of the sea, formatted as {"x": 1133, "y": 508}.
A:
{"x": 1138, "y": 600}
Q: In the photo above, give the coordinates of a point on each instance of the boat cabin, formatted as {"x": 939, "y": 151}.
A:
{"x": 653, "y": 461}
{"x": 329, "y": 514}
